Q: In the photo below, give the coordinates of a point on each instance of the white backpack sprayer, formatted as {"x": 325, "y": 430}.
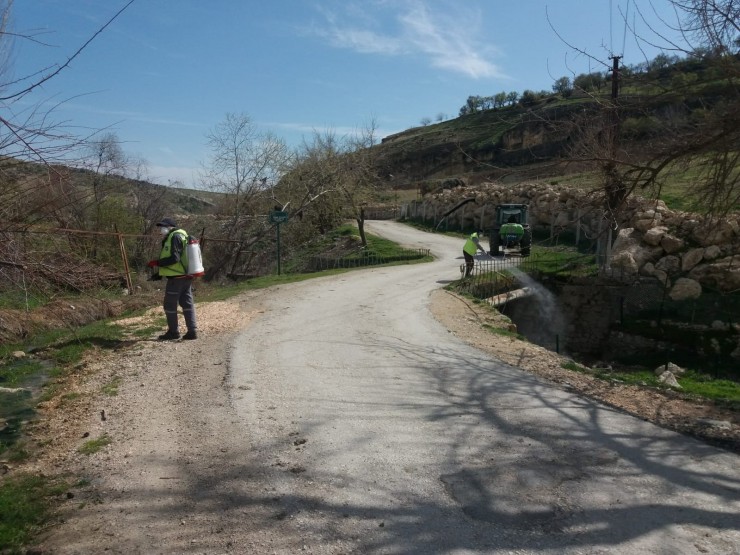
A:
{"x": 195, "y": 258}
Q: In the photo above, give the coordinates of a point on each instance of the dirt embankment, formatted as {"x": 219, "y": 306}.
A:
{"x": 16, "y": 324}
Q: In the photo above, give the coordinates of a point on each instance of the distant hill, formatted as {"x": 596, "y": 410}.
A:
{"x": 59, "y": 184}
{"x": 521, "y": 142}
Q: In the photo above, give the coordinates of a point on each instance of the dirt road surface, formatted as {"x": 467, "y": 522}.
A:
{"x": 338, "y": 415}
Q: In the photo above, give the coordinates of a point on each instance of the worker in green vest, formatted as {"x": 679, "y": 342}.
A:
{"x": 471, "y": 246}
{"x": 172, "y": 264}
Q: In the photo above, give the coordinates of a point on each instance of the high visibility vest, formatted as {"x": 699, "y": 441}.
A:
{"x": 470, "y": 247}
{"x": 178, "y": 268}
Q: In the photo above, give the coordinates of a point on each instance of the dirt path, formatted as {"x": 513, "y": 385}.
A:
{"x": 183, "y": 474}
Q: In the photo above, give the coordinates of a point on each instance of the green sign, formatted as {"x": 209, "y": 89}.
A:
{"x": 278, "y": 217}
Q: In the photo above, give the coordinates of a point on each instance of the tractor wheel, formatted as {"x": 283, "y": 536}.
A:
{"x": 526, "y": 243}
{"x": 495, "y": 243}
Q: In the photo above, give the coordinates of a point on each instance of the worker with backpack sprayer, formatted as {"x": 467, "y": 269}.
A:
{"x": 179, "y": 262}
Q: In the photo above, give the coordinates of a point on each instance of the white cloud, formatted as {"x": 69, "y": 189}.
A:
{"x": 446, "y": 38}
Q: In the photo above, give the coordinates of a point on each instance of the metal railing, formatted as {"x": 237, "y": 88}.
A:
{"x": 495, "y": 275}
{"x": 319, "y": 263}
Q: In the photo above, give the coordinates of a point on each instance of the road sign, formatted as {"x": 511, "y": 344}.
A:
{"x": 278, "y": 217}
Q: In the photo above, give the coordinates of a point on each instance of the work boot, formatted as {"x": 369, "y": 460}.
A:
{"x": 169, "y": 336}
{"x": 192, "y": 334}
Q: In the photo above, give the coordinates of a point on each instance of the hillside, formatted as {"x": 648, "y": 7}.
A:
{"x": 539, "y": 139}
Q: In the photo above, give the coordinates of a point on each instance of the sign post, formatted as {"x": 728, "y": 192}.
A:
{"x": 278, "y": 217}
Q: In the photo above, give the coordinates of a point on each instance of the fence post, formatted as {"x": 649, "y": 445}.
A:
{"x": 124, "y": 257}
{"x": 203, "y": 239}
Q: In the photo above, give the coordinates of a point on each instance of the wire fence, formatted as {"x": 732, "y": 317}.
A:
{"x": 37, "y": 264}
{"x": 319, "y": 263}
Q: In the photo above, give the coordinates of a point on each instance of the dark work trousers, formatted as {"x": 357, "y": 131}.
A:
{"x": 179, "y": 291}
{"x": 469, "y": 263}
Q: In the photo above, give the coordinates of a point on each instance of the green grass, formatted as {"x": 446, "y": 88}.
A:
{"x": 92, "y": 446}
{"x": 723, "y": 392}
{"x": 25, "y": 503}
{"x": 18, "y": 300}
{"x": 503, "y": 332}
{"x": 560, "y": 261}
{"x": 71, "y": 346}
{"x": 575, "y": 367}
{"x": 14, "y": 372}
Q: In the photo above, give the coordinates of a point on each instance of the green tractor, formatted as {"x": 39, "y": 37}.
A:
{"x": 511, "y": 230}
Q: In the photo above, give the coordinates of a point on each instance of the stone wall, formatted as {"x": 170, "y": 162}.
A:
{"x": 685, "y": 252}
{"x": 592, "y": 318}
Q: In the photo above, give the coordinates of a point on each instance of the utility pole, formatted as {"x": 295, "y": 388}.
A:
{"x": 613, "y": 185}
{"x": 615, "y": 76}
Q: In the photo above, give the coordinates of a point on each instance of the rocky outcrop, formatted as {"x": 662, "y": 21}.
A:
{"x": 685, "y": 252}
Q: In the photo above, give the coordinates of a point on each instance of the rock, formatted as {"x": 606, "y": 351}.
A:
{"x": 685, "y": 288}
{"x": 716, "y": 232}
{"x": 625, "y": 262}
{"x": 18, "y": 355}
{"x": 646, "y": 220}
{"x": 675, "y": 369}
{"x": 667, "y": 378}
{"x": 719, "y": 424}
{"x": 653, "y": 236}
{"x": 723, "y": 274}
{"x": 630, "y": 241}
{"x": 646, "y": 224}
{"x": 736, "y": 353}
{"x": 691, "y": 258}
{"x": 649, "y": 269}
{"x": 712, "y": 253}
{"x": 669, "y": 264}
{"x": 15, "y": 391}
{"x": 671, "y": 244}
{"x": 562, "y": 220}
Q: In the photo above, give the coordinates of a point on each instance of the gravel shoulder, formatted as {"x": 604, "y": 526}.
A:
{"x": 168, "y": 477}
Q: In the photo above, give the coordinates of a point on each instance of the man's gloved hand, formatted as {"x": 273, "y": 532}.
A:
{"x": 153, "y": 263}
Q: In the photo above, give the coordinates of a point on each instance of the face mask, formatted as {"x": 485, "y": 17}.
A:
{"x": 164, "y": 230}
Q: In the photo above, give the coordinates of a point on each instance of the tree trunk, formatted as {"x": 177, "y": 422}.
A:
{"x": 361, "y": 227}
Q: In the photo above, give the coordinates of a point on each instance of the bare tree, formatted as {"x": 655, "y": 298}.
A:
{"x": 343, "y": 172}
{"x": 689, "y": 129}
{"x": 244, "y": 164}
{"x": 31, "y": 132}
{"x": 243, "y": 161}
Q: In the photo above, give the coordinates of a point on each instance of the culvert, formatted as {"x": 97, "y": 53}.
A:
{"x": 536, "y": 313}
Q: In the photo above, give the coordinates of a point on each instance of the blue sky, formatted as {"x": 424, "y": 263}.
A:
{"x": 165, "y": 72}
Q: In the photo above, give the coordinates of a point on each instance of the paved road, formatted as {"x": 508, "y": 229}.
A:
{"x": 377, "y": 431}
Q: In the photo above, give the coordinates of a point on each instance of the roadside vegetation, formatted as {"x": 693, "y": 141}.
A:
{"x": 694, "y": 384}
{"x": 26, "y": 502}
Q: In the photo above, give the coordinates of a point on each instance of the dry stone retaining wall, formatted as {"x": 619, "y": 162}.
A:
{"x": 685, "y": 252}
